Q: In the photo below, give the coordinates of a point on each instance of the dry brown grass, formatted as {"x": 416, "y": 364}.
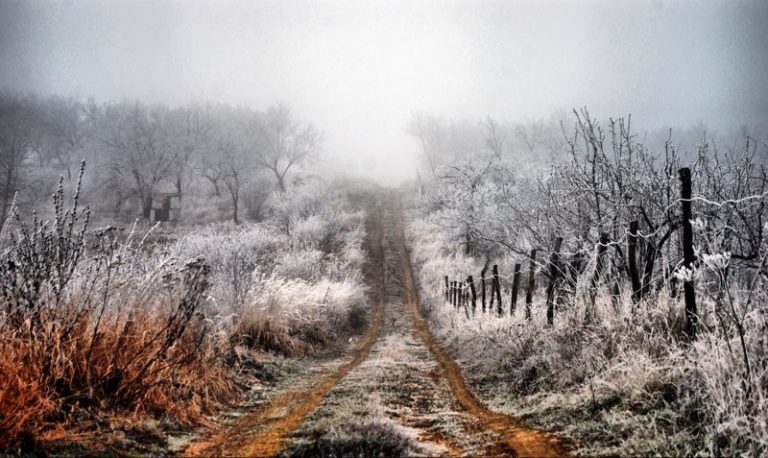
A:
{"x": 286, "y": 337}
{"x": 92, "y": 329}
{"x": 52, "y": 381}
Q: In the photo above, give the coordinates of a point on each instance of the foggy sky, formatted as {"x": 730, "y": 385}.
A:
{"x": 358, "y": 69}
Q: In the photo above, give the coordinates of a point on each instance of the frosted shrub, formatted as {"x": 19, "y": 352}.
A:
{"x": 308, "y": 286}
{"x": 353, "y": 255}
{"x": 110, "y": 330}
{"x": 300, "y": 264}
{"x": 233, "y": 255}
{"x": 293, "y": 316}
{"x": 311, "y": 230}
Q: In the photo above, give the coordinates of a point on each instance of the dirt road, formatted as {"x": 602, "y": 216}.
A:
{"x": 397, "y": 392}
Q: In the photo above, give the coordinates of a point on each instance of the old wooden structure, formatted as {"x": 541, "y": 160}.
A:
{"x": 166, "y": 206}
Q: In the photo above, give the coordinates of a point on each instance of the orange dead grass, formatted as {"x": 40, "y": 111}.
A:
{"x": 50, "y": 381}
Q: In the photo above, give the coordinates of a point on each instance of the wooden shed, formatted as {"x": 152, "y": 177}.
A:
{"x": 166, "y": 206}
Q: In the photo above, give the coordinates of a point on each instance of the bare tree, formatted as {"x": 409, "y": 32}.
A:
{"x": 284, "y": 142}
{"x": 62, "y": 133}
{"x": 426, "y": 129}
{"x": 143, "y": 154}
{"x": 235, "y": 167}
{"x": 494, "y": 138}
{"x": 191, "y": 130}
{"x": 17, "y": 132}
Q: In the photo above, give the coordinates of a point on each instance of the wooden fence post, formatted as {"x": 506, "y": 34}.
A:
{"x": 471, "y": 282}
{"x": 482, "y": 284}
{"x": 554, "y": 276}
{"x": 634, "y": 275}
{"x": 515, "y": 287}
{"x": 453, "y": 293}
{"x": 492, "y": 300}
{"x": 447, "y": 290}
{"x": 497, "y": 290}
{"x": 688, "y": 255}
{"x": 575, "y": 268}
{"x": 456, "y": 294}
{"x": 465, "y": 297}
{"x": 531, "y": 284}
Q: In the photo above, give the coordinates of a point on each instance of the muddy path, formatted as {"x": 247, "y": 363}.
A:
{"x": 396, "y": 393}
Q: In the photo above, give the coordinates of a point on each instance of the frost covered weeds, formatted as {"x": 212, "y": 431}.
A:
{"x": 106, "y": 332}
{"x": 617, "y": 371}
{"x": 628, "y": 382}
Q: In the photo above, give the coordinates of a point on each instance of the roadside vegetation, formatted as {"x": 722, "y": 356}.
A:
{"x": 115, "y": 329}
{"x": 618, "y": 370}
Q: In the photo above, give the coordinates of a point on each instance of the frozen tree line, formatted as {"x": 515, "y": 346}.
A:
{"x": 502, "y": 188}
{"x": 134, "y": 148}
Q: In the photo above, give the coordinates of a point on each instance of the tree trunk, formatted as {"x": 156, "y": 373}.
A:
{"x": 632, "y": 260}
{"x": 146, "y": 205}
{"x": 235, "y": 200}
{"x": 280, "y": 182}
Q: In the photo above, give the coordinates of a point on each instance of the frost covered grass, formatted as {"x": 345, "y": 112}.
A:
{"x": 379, "y": 437}
{"x": 293, "y": 282}
{"x": 91, "y": 328}
{"x": 108, "y": 327}
{"x": 627, "y": 381}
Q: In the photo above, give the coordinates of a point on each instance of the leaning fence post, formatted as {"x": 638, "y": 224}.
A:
{"x": 497, "y": 290}
{"x": 471, "y": 282}
{"x": 465, "y": 297}
{"x": 515, "y": 287}
{"x": 455, "y": 293}
{"x": 492, "y": 301}
{"x": 531, "y": 284}
{"x": 554, "y": 275}
{"x": 688, "y": 255}
{"x": 634, "y": 275}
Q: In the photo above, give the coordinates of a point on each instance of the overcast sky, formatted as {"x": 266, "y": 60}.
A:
{"x": 358, "y": 69}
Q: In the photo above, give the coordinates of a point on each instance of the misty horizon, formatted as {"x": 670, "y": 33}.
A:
{"x": 359, "y": 70}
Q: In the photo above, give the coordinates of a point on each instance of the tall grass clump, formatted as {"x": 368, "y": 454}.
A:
{"x": 90, "y": 326}
{"x": 312, "y": 289}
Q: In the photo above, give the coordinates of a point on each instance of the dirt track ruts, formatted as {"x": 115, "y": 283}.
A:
{"x": 524, "y": 442}
{"x": 264, "y": 432}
